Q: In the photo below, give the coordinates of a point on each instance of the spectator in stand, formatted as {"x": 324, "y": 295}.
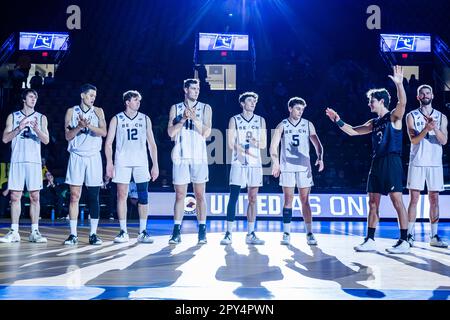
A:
{"x": 36, "y": 82}
{"x": 49, "y": 80}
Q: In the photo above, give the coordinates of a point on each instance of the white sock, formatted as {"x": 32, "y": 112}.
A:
{"x": 250, "y": 227}
{"x": 123, "y": 225}
{"x": 411, "y": 228}
{"x": 73, "y": 227}
{"x": 15, "y": 227}
{"x": 202, "y": 222}
{"x": 142, "y": 225}
{"x": 34, "y": 227}
{"x": 308, "y": 227}
{"x": 178, "y": 222}
{"x": 230, "y": 226}
{"x": 434, "y": 229}
{"x": 287, "y": 227}
{"x": 94, "y": 224}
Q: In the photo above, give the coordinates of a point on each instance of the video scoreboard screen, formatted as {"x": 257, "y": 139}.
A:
{"x": 223, "y": 42}
{"x": 405, "y": 42}
{"x": 43, "y": 41}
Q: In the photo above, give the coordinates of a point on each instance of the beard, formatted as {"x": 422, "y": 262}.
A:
{"x": 425, "y": 101}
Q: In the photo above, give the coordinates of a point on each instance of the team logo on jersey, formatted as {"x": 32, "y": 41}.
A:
{"x": 190, "y": 204}
{"x": 121, "y": 117}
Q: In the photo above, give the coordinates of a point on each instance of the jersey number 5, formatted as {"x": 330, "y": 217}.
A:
{"x": 132, "y": 134}
{"x": 295, "y": 140}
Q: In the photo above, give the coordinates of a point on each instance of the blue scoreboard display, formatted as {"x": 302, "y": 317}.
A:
{"x": 223, "y": 42}
{"x": 43, "y": 41}
{"x": 405, "y": 42}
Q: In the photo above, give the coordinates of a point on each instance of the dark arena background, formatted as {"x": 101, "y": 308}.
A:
{"x": 330, "y": 53}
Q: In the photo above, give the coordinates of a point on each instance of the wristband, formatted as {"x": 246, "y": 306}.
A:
{"x": 340, "y": 123}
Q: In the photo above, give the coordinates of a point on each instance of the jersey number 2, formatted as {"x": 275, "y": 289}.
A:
{"x": 132, "y": 134}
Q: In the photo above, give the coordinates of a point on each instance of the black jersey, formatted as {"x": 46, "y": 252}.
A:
{"x": 385, "y": 138}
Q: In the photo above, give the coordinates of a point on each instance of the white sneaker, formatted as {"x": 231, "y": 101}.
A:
{"x": 286, "y": 239}
{"x": 251, "y": 238}
{"x": 122, "y": 237}
{"x": 311, "y": 240}
{"x": 410, "y": 239}
{"x": 367, "y": 246}
{"x": 436, "y": 241}
{"x": 401, "y": 246}
{"x": 11, "y": 236}
{"x": 227, "y": 239}
{"x": 144, "y": 237}
{"x": 37, "y": 237}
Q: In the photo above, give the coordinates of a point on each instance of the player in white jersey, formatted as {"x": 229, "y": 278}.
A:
{"x": 25, "y": 129}
{"x": 427, "y": 130}
{"x": 133, "y": 132}
{"x": 84, "y": 128}
{"x": 246, "y": 137}
{"x": 295, "y": 133}
{"x": 189, "y": 126}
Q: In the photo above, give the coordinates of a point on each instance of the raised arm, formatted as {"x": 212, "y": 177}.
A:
{"x": 152, "y": 148}
{"x": 366, "y": 128}
{"x": 274, "y": 144}
{"x": 314, "y": 138}
{"x": 173, "y": 127}
{"x": 415, "y": 137}
{"x": 399, "y": 111}
{"x": 101, "y": 129}
{"x": 108, "y": 147}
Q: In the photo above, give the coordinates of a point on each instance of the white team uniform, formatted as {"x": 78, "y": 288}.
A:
{"x": 189, "y": 157}
{"x": 85, "y": 162}
{"x": 295, "y": 163}
{"x": 131, "y": 158}
{"x": 425, "y": 158}
{"x": 246, "y": 168}
{"x": 26, "y": 162}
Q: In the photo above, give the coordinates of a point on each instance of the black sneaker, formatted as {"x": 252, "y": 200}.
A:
{"x": 176, "y": 238}
{"x": 95, "y": 240}
{"x": 71, "y": 240}
{"x": 202, "y": 234}
{"x": 410, "y": 239}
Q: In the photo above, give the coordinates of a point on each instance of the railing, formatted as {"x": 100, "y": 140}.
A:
{"x": 7, "y": 49}
{"x": 388, "y": 56}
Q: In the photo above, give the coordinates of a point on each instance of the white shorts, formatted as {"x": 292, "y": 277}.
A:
{"x": 124, "y": 174}
{"x": 302, "y": 179}
{"x": 433, "y": 176}
{"x": 246, "y": 176}
{"x": 25, "y": 173}
{"x": 87, "y": 170}
{"x": 184, "y": 173}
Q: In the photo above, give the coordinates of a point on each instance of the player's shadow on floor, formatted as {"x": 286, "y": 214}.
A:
{"x": 250, "y": 271}
{"x": 327, "y": 267}
{"x": 156, "y": 270}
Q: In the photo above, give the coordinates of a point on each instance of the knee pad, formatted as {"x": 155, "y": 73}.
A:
{"x": 94, "y": 202}
{"x": 287, "y": 215}
{"x": 142, "y": 191}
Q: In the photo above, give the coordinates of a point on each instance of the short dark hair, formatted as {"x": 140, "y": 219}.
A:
{"x": 424, "y": 86}
{"x": 296, "y": 100}
{"x": 187, "y": 83}
{"x": 246, "y": 95}
{"x": 128, "y": 95}
{"x": 86, "y": 87}
{"x": 27, "y": 91}
{"x": 380, "y": 94}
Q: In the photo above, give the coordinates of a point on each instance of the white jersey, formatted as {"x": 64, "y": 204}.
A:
{"x": 26, "y": 146}
{"x": 189, "y": 143}
{"x": 131, "y": 141}
{"x": 427, "y": 153}
{"x": 85, "y": 143}
{"x": 246, "y": 130}
{"x": 295, "y": 146}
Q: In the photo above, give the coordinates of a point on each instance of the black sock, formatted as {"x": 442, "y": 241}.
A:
{"x": 176, "y": 228}
{"x": 371, "y": 233}
{"x": 403, "y": 234}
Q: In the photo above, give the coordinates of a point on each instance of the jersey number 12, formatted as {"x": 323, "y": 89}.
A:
{"x": 132, "y": 134}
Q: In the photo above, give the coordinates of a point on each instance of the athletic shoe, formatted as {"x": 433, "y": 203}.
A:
{"x": 11, "y": 236}
{"x": 37, "y": 237}
{"x": 251, "y": 238}
{"x": 175, "y": 239}
{"x": 311, "y": 240}
{"x": 71, "y": 240}
{"x": 367, "y": 246}
{"x": 286, "y": 239}
{"x": 227, "y": 239}
{"x": 122, "y": 237}
{"x": 402, "y": 246}
{"x": 95, "y": 240}
{"x": 436, "y": 241}
{"x": 202, "y": 234}
{"x": 410, "y": 239}
{"x": 144, "y": 237}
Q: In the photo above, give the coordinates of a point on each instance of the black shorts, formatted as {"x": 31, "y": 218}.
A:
{"x": 385, "y": 175}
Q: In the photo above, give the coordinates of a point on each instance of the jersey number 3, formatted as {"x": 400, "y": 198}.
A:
{"x": 132, "y": 134}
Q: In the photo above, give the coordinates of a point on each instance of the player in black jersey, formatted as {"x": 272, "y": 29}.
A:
{"x": 385, "y": 175}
